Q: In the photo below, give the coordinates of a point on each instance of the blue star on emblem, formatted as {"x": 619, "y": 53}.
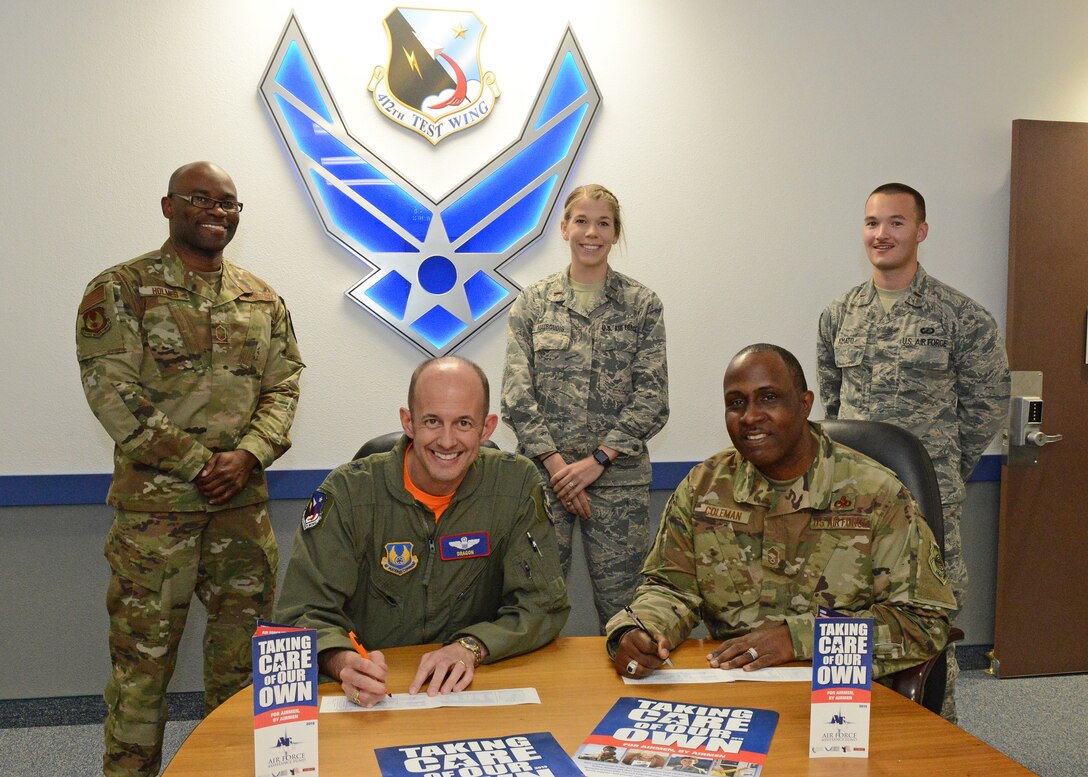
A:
{"x": 433, "y": 266}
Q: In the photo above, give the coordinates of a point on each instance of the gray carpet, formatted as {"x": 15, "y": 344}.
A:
{"x": 1039, "y": 722}
{"x": 68, "y": 751}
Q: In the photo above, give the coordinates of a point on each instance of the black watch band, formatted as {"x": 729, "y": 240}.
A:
{"x": 602, "y": 458}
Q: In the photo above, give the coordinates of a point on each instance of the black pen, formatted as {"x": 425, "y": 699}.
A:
{"x": 641, "y": 625}
{"x": 533, "y": 543}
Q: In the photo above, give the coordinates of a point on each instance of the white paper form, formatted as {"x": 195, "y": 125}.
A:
{"x": 772, "y": 674}
{"x": 421, "y": 701}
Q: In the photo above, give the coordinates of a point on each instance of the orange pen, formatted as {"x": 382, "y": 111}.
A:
{"x": 358, "y": 645}
{"x": 362, "y": 651}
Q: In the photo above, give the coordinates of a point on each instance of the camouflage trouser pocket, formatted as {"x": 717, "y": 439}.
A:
{"x": 153, "y": 560}
{"x": 131, "y": 561}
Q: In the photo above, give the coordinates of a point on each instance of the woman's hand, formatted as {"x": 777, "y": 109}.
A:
{"x": 570, "y": 481}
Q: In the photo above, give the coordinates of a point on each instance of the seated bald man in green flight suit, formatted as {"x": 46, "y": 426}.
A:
{"x": 438, "y": 540}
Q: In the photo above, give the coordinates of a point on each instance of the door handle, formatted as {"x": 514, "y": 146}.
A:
{"x": 1040, "y": 439}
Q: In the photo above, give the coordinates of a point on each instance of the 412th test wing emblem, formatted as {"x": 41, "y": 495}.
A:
{"x": 434, "y": 266}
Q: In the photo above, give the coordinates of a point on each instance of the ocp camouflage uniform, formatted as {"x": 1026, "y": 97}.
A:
{"x": 738, "y": 554}
{"x": 580, "y": 376}
{"x": 176, "y": 370}
{"x": 936, "y": 366}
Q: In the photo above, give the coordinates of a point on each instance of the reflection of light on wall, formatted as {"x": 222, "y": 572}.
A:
{"x": 433, "y": 266}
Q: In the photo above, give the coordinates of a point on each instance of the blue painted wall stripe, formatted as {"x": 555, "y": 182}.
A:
{"x": 34, "y": 490}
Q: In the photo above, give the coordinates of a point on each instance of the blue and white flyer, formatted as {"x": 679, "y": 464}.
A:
{"x": 842, "y": 683}
{"x": 523, "y": 755}
{"x": 639, "y": 734}
{"x": 284, "y": 701}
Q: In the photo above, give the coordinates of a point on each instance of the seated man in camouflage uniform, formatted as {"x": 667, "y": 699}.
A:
{"x": 438, "y": 540}
{"x": 760, "y": 535}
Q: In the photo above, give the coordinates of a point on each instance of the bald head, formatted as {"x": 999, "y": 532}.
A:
{"x": 181, "y": 175}
{"x": 449, "y": 366}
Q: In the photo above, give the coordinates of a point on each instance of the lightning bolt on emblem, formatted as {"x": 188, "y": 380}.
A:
{"x": 411, "y": 57}
{"x": 433, "y": 266}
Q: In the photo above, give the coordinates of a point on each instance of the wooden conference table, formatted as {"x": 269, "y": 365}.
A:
{"x": 577, "y": 686}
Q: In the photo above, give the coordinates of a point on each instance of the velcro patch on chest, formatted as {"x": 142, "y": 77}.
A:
{"x": 726, "y": 514}
{"x": 163, "y": 291}
{"x": 925, "y": 342}
{"x": 860, "y": 522}
{"x": 456, "y": 547}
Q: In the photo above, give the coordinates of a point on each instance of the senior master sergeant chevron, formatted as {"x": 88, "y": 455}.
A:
{"x": 191, "y": 365}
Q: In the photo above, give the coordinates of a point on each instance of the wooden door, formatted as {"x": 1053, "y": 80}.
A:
{"x": 1041, "y": 619}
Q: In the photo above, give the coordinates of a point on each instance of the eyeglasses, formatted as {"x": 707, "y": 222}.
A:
{"x": 207, "y": 203}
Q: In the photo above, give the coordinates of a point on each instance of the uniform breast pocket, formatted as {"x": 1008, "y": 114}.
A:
{"x": 385, "y": 595}
{"x": 550, "y": 343}
{"x": 465, "y": 588}
{"x": 845, "y": 581}
{"x": 848, "y": 355}
{"x": 617, "y": 347}
{"x": 723, "y": 574}
{"x": 172, "y": 338}
{"x": 924, "y": 357}
{"x": 254, "y": 352}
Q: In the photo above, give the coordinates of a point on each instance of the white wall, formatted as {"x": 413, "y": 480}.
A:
{"x": 742, "y": 139}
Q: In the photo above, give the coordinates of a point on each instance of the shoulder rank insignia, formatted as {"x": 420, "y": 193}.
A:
{"x": 454, "y": 547}
{"x": 399, "y": 558}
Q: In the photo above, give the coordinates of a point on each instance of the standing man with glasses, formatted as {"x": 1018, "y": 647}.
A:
{"x": 191, "y": 365}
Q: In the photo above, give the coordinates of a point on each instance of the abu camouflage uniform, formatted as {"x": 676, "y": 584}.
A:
{"x": 176, "y": 370}
{"x": 738, "y": 554}
{"x": 370, "y": 557}
{"x": 934, "y": 365}
{"x": 581, "y": 376}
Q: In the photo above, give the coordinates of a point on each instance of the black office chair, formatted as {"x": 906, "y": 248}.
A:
{"x": 902, "y": 453}
{"x": 386, "y": 442}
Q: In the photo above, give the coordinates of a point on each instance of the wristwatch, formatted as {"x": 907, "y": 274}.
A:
{"x": 602, "y": 458}
{"x": 470, "y": 643}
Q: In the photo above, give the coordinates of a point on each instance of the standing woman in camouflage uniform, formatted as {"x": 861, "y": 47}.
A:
{"x": 585, "y": 386}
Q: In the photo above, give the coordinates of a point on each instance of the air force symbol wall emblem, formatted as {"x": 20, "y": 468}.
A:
{"x": 432, "y": 267}
{"x": 433, "y": 84}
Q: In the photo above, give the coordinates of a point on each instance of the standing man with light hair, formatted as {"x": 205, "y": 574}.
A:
{"x": 907, "y": 349}
{"x": 191, "y": 365}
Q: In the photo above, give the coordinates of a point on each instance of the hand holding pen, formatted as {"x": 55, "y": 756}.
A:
{"x": 362, "y": 675}
{"x": 636, "y": 654}
{"x": 641, "y": 625}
